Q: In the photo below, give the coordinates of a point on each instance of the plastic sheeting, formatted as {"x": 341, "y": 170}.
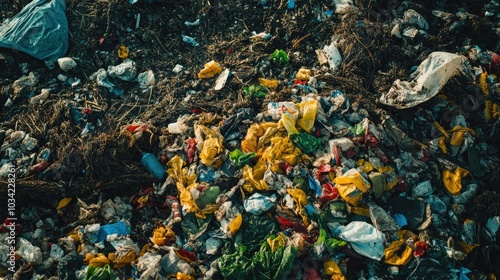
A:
{"x": 40, "y": 30}
{"x": 429, "y": 78}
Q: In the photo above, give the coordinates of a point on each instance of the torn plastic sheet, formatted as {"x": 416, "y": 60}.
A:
{"x": 40, "y": 30}
{"x": 426, "y": 82}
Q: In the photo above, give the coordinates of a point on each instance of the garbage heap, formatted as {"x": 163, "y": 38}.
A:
{"x": 299, "y": 181}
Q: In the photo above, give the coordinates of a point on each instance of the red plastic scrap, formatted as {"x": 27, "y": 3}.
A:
{"x": 40, "y": 167}
{"x": 300, "y": 82}
{"x": 136, "y": 128}
{"x": 286, "y": 224}
{"x": 191, "y": 149}
{"x": 187, "y": 255}
{"x": 330, "y": 193}
{"x": 495, "y": 64}
{"x": 420, "y": 248}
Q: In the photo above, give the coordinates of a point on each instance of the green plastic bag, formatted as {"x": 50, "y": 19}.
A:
{"x": 100, "y": 273}
{"x": 254, "y": 231}
{"x": 256, "y": 91}
{"x": 279, "y": 57}
{"x": 236, "y": 265}
{"x": 239, "y": 158}
{"x": 306, "y": 142}
{"x": 273, "y": 265}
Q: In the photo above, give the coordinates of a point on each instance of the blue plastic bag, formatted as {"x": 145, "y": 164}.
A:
{"x": 40, "y": 30}
{"x": 119, "y": 228}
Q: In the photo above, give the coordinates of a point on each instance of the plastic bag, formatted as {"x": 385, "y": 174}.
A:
{"x": 279, "y": 57}
{"x": 258, "y": 203}
{"x": 303, "y": 74}
{"x": 332, "y": 55}
{"x": 28, "y": 252}
{"x": 381, "y": 219}
{"x": 429, "y": 78}
{"x": 120, "y": 228}
{"x": 308, "y": 111}
{"x": 40, "y": 30}
{"x": 183, "y": 179}
{"x": 100, "y": 273}
{"x": 146, "y": 79}
{"x": 365, "y": 239}
{"x": 351, "y": 186}
{"x": 253, "y": 181}
{"x": 452, "y": 179}
{"x": 307, "y": 143}
{"x": 391, "y": 252}
{"x": 126, "y": 70}
{"x": 163, "y": 235}
{"x": 211, "y": 69}
{"x": 270, "y": 84}
{"x": 332, "y": 269}
{"x": 212, "y": 145}
{"x": 239, "y": 158}
{"x": 149, "y": 265}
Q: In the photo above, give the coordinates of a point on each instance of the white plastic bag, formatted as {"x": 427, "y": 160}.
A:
{"x": 28, "y": 252}
{"x": 126, "y": 70}
{"x": 258, "y": 203}
{"x": 364, "y": 238}
{"x": 426, "y": 82}
{"x": 149, "y": 265}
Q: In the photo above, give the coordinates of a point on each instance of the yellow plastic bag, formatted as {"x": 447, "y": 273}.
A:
{"x": 124, "y": 259}
{"x": 483, "y": 83}
{"x": 211, "y": 148}
{"x": 300, "y": 199}
{"x": 332, "y": 269}
{"x": 458, "y": 134}
{"x": 279, "y": 241}
{"x": 303, "y": 74}
{"x": 235, "y": 224}
{"x": 163, "y": 235}
{"x": 288, "y": 122}
{"x": 351, "y": 186}
{"x": 183, "y": 180}
{"x": 442, "y": 145}
{"x": 257, "y": 136}
{"x": 282, "y": 148}
{"x": 182, "y": 276}
{"x": 211, "y": 143}
{"x": 253, "y": 182}
{"x": 211, "y": 69}
{"x": 453, "y": 179}
{"x": 390, "y": 253}
{"x": 393, "y": 175}
{"x": 365, "y": 165}
{"x": 270, "y": 84}
{"x": 308, "y": 111}
{"x": 100, "y": 260}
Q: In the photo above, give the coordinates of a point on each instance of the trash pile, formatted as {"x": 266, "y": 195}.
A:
{"x": 368, "y": 153}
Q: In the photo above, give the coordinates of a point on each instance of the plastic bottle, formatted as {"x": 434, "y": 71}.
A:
{"x": 153, "y": 166}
